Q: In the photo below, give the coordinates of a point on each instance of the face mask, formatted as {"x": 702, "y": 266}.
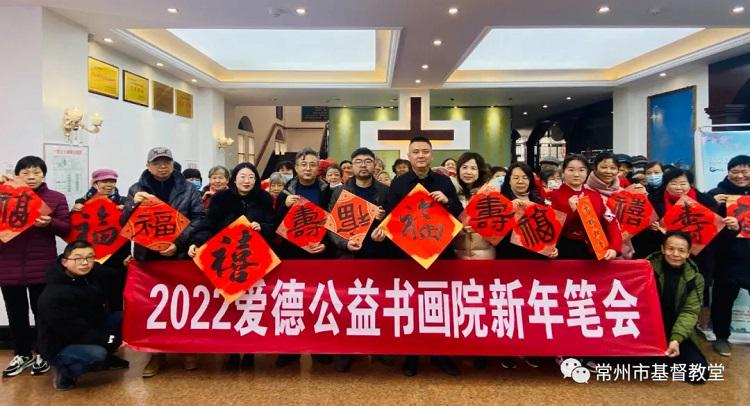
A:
{"x": 497, "y": 182}
{"x": 287, "y": 178}
{"x": 638, "y": 170}
{"x": 554, "y": 184}
{"x": 333, "y": 185}
{"x": 655, "y": 179}
{"x": 197, "y": 183}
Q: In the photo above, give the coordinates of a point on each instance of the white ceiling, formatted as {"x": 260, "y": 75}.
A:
{"x": 419, "y": 23}
{"x": 567, "y": 48}
{"x": 285, "y": 50}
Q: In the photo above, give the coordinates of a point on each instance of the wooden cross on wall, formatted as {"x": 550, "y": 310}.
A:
{"x": 415, "y": 129}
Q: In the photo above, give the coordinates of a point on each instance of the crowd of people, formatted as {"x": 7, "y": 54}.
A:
{"x": 77, "y": 303}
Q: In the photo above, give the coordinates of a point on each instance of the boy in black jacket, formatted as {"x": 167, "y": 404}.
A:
{"x": 77, "y": 332}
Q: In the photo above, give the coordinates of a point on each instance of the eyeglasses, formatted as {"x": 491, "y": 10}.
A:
{"x": 84, "y": 260}
{"x": 160, "y": 162}
{"x": 360, "y": 162}
{"x": 307, "y": 164}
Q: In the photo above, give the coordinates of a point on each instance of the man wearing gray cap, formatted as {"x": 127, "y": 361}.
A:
{"x": 161, "y": 180}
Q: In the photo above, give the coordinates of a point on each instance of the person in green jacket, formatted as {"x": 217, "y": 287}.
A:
{"x": 680, "y": 288}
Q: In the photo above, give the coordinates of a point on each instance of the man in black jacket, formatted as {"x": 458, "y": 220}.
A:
{"x": 163, "y": 180}
{"x": 733, "y": 254}
{"x": 442, "y": 190}
{"x": 77, "y": 332}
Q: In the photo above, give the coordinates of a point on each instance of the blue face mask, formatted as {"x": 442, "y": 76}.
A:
{"x": 287, "y": 178}
{"x": 197, "y": 183}
{"x": 497, "y": 182}
{"x": 655, "y": 179}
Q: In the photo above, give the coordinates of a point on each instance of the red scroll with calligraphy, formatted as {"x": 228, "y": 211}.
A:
{"x": 490, "y": 214}
{"x": 421, "y": 226}
{"x": 236, "y": 258}
{"x": 695, "y": 219}
{"x": 351, "y": 217}
{"x": 538, "y": 228}
{"x": 98, "y": 222}
{"x": 304, "y": 224}
{"x": 154, "y": 225}
{"x": 593, "y": 227}
{"x": 633, "y": 211}
{"x": 739, "y": 207}
{"x": 20, "y": 207}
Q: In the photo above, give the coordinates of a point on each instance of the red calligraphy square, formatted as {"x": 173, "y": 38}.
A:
{"x": 351, "y": 217}
{"x": 236, "y": 258}
{"x": 20, "y": 207}
{"x": 98, "y": 222}
{"x": 490, "y": 214}
{"x": 538, "y": 228}
{"x": 154, "y": 224}
{"x": 421, "y": 226}
{"x": 304, "y": 224}
{"x": 695, "y": 219}
{"x": 739, "y": 207}
{"x": 633, "y": 211}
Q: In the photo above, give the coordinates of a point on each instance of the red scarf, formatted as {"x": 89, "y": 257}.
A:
{"x": 670, "y": 200}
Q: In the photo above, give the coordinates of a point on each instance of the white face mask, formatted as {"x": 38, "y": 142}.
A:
{"x": 554, "y": 184}
{"x": 497, "y": 182}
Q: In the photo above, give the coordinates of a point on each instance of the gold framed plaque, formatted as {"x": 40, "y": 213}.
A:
{"x": 163, "y": 97}
{"x": 103, "y": 78}
{"x": 134, "y": 88}
{"x": 184, "y": 103}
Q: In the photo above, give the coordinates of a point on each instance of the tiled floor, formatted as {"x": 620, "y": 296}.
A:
{"x": 367, "y": 383}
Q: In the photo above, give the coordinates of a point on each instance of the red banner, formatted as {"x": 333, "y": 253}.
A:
{"x": 98, "y": 222}
{"x": 20, "y": 207}
{"x": 739, "y": 207}
{"x": 593, "y": 227}
{"x": 542, "y": 308}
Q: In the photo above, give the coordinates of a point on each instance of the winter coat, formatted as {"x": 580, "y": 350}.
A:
{"x": 688, "y": 299}
{"x": 184, "y": 197}
{"x": 24, "y": 259}
{"x": 732, "y": 253}
{"x": 227, "y": 206}
{"x": 71, "y": 309}
{"x": 470, "y": 245}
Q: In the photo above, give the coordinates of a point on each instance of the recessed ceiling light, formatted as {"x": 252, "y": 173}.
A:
{"x": 738, "y": 10}
{"x": 301, "y": 11}
{"x": 663, "y": 74}
{"x": 545, "y": 106}
{"x": 453, "y": 11}
{"x": 568, "y": 98}
{"x": 194, "y": 80}
{"x": 108, "y": 40}
{"x": 425, "y": 66}
{"x": 437, "y": 42}
{"x": 172, "y": 10}
{"x": 418, "y": 81}
{"x": 604, "y": 9}
{"x": 525, "y": 113}
{"x": 159, "y": 64}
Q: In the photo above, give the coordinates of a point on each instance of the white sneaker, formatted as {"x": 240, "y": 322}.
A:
{"x": 18, "y": 364}
{"x": 40, "y": 366}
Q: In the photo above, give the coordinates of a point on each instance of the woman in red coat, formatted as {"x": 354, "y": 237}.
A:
{"x": 24, "y": 261}
{"x": 574, "y": 243}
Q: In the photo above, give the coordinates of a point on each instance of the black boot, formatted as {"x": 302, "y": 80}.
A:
{"x": 446, "y": 365}
{"x": 411, "y": 365}
{"x": 233, "y": 362}
{"x": 248, "y": 361}
{"x": 343, "y": 363}
{"x": 286, "y": 359}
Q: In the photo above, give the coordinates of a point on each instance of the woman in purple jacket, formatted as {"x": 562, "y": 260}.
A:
{"x": 24, "y": 261}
